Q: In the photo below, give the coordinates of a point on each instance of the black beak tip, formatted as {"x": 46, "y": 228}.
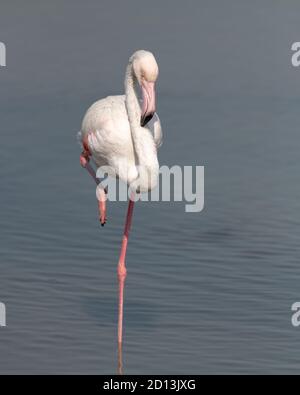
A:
{"x": 146, "y": 118}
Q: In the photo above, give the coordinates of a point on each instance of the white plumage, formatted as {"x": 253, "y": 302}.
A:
{"x": 112, "y": 127}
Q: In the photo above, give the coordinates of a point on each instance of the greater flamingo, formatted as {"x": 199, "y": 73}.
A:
{"x": 124, "y": 133}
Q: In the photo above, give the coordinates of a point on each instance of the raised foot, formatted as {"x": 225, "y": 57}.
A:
{"x": 102, "y": 213}
{"x": 103, "y": 220}
{"x": 101, "y": 196}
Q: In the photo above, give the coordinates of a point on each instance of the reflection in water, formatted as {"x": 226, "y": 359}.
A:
{"x": 120, "y": 323}
{"x": 120, "y": 358}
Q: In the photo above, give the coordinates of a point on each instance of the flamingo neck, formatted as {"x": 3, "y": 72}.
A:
{"x": 143, "y": 142}
{"x": 132, "y": 102}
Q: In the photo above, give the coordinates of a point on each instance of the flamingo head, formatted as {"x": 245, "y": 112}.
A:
{"x": 146, "y": 72}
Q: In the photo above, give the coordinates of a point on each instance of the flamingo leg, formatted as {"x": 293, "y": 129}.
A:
{"x": 122, "y": 272}
{"x": 101, "y": 193}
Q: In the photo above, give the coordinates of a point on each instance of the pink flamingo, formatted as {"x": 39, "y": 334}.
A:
{"x": 123, "y": 133}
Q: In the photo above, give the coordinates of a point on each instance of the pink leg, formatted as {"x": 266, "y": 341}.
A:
{"x": 120, "y": 359}
{"x": 85, "y": 162}
{"x": 101, "y": 194}
{"x": 122, "y": 269}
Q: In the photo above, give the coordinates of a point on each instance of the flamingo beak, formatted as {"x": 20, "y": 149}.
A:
{"x": 148, "y": 106}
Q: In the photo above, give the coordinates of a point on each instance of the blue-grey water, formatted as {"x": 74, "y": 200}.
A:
{"x": 206, "y": 293}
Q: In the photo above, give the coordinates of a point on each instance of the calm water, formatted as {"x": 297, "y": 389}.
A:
{"x": 205, "y": 293}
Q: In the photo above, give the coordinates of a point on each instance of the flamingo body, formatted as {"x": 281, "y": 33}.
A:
{"x": 108, "y": 127}
{"x": 107, "y": 130}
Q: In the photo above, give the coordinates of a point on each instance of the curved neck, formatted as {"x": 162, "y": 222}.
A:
{"x": 131, "y": 99}
{"x": 143, "y": 143}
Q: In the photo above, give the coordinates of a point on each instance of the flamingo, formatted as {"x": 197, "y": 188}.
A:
{"x": 124, "y": 133}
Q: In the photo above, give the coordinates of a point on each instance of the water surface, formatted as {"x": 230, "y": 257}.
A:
{"x": 205, "y": 293}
